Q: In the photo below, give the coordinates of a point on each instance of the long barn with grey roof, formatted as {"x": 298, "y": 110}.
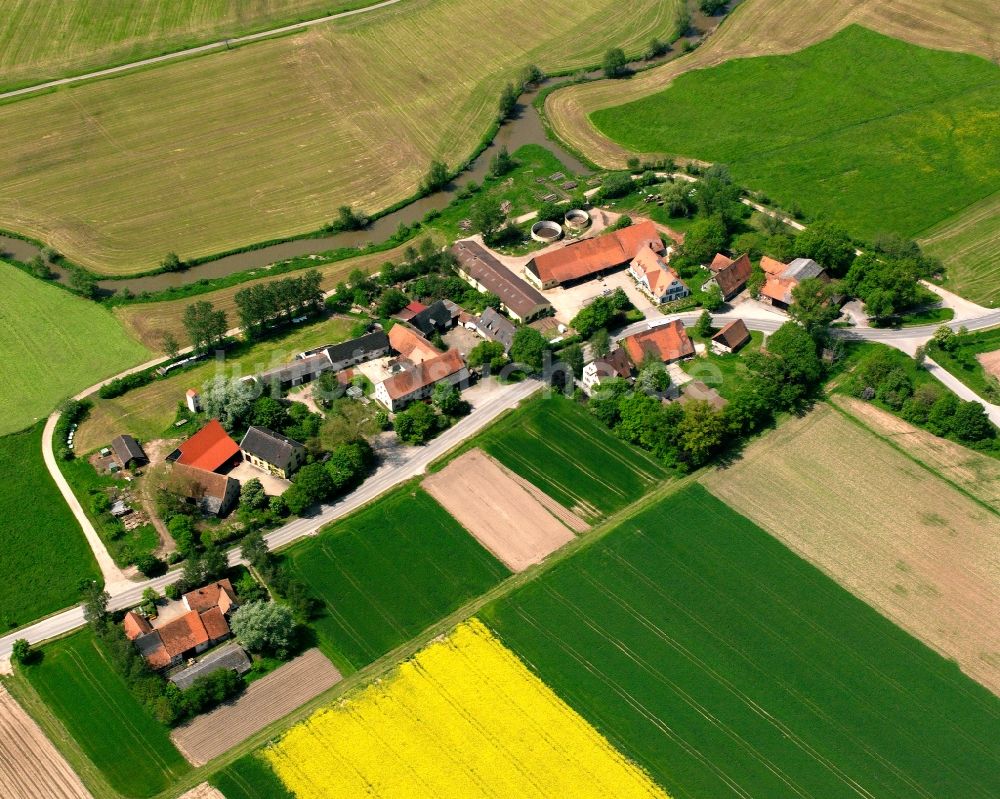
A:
{"x": 480, "y": 268}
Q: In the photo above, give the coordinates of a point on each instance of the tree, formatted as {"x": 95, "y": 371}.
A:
{"x": 391, "y": 302}
{"x": 699, "y": 432}
{"x": 656, "y": 48}
{"x": 703, "y": 327}
{"x": 205, "y": 326}
{"x": 706, "y": 237}
{"x": 83, "y": 282}
{"x": 615, "y": 65}
{"x": 229, "y": 401}
{"x": 349, "y": 463}
{"x": 448, "y": 399}
{"x": 95, "y": 605}
{"x": 944, "y": 338}
{"x": 171, "y": 263}
{"x": 265, "y": 627}
{"x": 40, "y": 268}
{"x": 790, "y": 364}
{"x": 573, "y": 357}
{"x": 653, "y": 379}
{"x": 682, "y": 22}
{"x": 758, "y": 277}
{"x": 716, "y": 195}
{"x": 270, "y": 413}
{"x": 254, "y": 550}
{"x": 712, "y": 7}
{"x": 348, "y": 219}
{"x": 310, "y": 486}
{"x": 970, "y": 422}
{"x": 252, "y": 495}
{"x": 416, "y": 424}
{"x": 600, "y": 343}
{"x": 169, "y": 342}
{"x": 617, "y": 184}
{"x": 487, "y": 353}
{"x": 885, "y": 285}
{"x": 712, "y": 300}
{"x": 813, "y": 307}
{"x": 828, "y": 245}
{"x": 488, "y": 219}
{"x": 502, "y": 163}
{"x": 21, "y": 651}
{"x": 214, "y": 563}
{"x": 436, "y": 178}
{"x": 894, "y": 389}
{"x": 529, "y": 348}
{"x": 508, "y": 101}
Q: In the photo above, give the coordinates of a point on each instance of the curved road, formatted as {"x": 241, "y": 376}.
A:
{"x": 203, "y": 48}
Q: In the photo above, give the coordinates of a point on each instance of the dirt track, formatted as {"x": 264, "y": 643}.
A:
{"x": 30, "y": 767}
{"x": 895, "y": 535}
{"x": 508, "y": 515}
{"x": 263, "y": 702}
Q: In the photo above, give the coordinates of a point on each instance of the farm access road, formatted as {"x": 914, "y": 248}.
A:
{"x": 489, "y": 400}
{"x": 202, "y": 48}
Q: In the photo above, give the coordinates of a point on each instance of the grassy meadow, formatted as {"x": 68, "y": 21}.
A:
{"x": 149, "y": 412}
{"x": 350, "y": 112}
{"x": 872, "y": 132}
{"x": 57, "y": 38}
{"x": 724, "y": 665}
{"x": 963, "y": 361}
{"x": 53, "y": 345}
{"x": 559, "y": 447}
{"x": 130, "y": 748}
{"x": 969, "y": 244}
{"x": 250, "y": 777}
{"x": 44, "y": 552}
{"x": 387, "y": 572}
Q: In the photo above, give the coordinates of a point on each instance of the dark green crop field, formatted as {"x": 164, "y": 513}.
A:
{"x": 557, "y": 445}
{"x": 729, "y": 667}
{"x": 250, "y": 777}
{"x": 863, "y": 129}
{"x": 387, "y": 572}
{"x": 129, "y": 746}
{"x": 43, "y": 554}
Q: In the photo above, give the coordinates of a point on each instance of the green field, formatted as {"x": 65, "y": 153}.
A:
{"x": 387, "y": 572}
{"x": 40, "y": 41}
{"x": 249, "y": 778}
{"x": 869, "y": 131}
{"x": 355, "y": 112}
{"x": 969, "y": 245}
{"x": 728, "y": 667}
{"x": 557, "y": 445}
{"x": 52, "y": 345}
{"x": 44, "y": 554}
{"x": 130, "y": 747}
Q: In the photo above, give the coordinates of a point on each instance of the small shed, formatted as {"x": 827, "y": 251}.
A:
{"x": 731, "y": 338}
{"x": 128, "y": 452}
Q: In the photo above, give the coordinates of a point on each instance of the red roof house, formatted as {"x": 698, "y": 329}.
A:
{"x": 667, "y": 343}
{"x": 209, "y": 449}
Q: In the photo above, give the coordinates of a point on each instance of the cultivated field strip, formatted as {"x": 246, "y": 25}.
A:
{"x": 969, "y": 244}
{"x": 506, "y": 516}
{"x": 30, "y": 767}
{"x": 280, "y": 133}
{"x": 728, "y": 667}
{"x": 265, "y": 701}
{"x": 464, "y": 718}
{"x": 889, "y": 531}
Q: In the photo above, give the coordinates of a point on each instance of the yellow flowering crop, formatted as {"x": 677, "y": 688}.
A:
{"x": 465, "y": 718}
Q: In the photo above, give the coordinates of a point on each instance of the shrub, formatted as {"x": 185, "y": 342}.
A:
{"x": 150, "y": 565}
{"x": 172, "y": 591}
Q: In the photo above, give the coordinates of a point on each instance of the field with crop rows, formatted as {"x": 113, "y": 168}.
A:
{"x": 559, "y": 447}
{"x": 44, "y": 41}
{"x": 44, "y": 554}
{"x": 969, "y": 244}
{"x": 888, "y": 530}
{"x": 280, "y": 133}
{"x": 726, "y": 666}
{"x": 149, "y": 411}
{"x": 860, "y": 123}
{"x": 463, "y": 718}
{"x": 129, "y": 746}
{"x": 387, "y": 572}
{"x": 53, "y": 345}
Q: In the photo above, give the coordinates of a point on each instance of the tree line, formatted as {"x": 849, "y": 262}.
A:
{"x": 261, "y": 303}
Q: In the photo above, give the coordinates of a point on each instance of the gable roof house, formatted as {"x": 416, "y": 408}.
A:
{"x": 358, "y": 350}
{"x": 615, "y": 364}
{"x": 667, "y": 343}
{"x": 272, "y": 452}
{"x": 167, "y": 644}
{"x": 494, "y": 326}
{"x": 296, "y": 373}
{"x": 231, "y": 656}
{"x": 412, "y": 309}
{"x": 485, "y": 273}
{"x": 210, "y": 448}
{"x": 697, "y": 390}
{"x": 411, "y": 345}
{"x": 417, "y": 382}
{"x": 213, "y": 493}
{"x": 729, "y": 275}
{"x": 731, "y": 338}
{"x": 783, "y": 278}
{"x": 435, "y": 318}
{"x": 219, "y": 594}
{"x": 589, "y": 257}
{"x": 128, "y": 452}
{"x": 656, "y": 277}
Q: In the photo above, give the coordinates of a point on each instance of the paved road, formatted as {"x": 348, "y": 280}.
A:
{"x": 204, "y": 48}
{"x": 489, "y": 401}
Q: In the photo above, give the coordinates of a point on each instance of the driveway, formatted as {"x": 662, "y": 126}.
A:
{"x": 273, "y": 486}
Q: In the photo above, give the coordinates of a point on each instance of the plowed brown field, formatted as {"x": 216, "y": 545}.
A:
{"x": 30, "y": 767}
{"x": 894, "y": 534}
{"x": 263, "y": 702}
{"x": 509, "y": 516}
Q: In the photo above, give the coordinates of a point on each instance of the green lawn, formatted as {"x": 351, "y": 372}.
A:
{"x": 729, "y": 667}
{"x": 557, "y": 445}
{"x": 863, "y": 129}
{"x": 43, "y": 554}
{"x": 387, "y": 572}
{"x": 130, "y": 747}
{"x": 963, "y": 364}
{"x": 725, "y": 372}
{"x": 53, "y": 344}
{"x": 250, "y": 777}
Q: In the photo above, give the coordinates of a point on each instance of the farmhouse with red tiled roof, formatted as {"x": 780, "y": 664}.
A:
{"x": 729, "y": 275}
{"x": 667, "y": 343}
{"x": 210, "y": 448}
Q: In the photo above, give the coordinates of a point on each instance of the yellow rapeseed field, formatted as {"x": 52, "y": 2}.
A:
{"x": 464, "y": 718}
